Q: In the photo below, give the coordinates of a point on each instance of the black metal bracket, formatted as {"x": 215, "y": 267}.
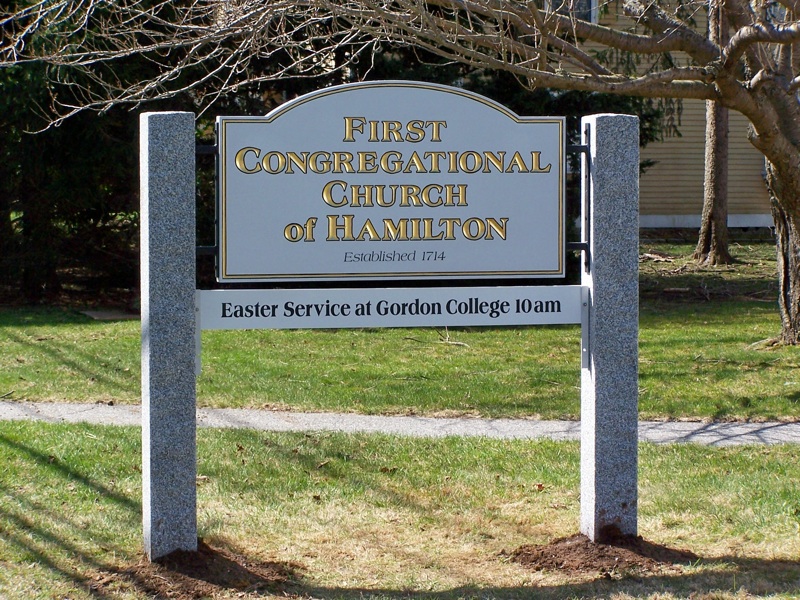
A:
{"x": 577, "y": 148}
{"x": 578, "y": 246}
{"x": 205, "y": 150}
{"x": 583, "y": 246}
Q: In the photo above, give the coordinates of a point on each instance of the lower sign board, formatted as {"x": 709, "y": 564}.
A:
{"x": 404, "y": 307}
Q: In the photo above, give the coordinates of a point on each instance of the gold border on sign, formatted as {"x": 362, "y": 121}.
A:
{"x": 389, "y": 275}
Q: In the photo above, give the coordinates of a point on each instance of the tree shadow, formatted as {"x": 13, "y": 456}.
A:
{"x": 57, "y": 536}
{"x": 708, "y": 576}
{"x": 82, "y": 360}
{"x": 209, "y": 572}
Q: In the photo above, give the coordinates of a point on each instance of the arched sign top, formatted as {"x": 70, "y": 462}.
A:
{"x": 423, "y": 89}
{"x": 390, "y": 181}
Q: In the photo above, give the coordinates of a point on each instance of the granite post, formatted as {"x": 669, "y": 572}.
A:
{"x": 610, "y": 366}
{"x": 167, "y": 178}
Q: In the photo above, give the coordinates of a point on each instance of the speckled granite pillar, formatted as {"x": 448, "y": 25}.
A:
{"x": 610, "y": 373}
{"x": 167, "y": 177}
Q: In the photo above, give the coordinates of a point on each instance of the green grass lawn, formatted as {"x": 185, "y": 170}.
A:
{"x": 354, "y": 516}
{"x": 384, "y": 517}
{"x": 700, "y": 357}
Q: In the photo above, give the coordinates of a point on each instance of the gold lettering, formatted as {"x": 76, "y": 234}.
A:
{"x": 535, "y": 159}
{"x": 416, "y": 162}
{"x": 415, "y": 236}
{"x": 391, "y": 131}
{"x": 343, "y": 162}
{"x": 467, "y": 230}
{"x": 453, "y": 156}
{"x": 361, "y": 195}
{"x": 366, "y": 162}
{"x": 426, "y": 195}
{"x": 498, "y": 227}
{"x": 266, "y": 162}
{"x": 449, "y": 227}
{"x": 495, "y": 160}
{"x": 249, "y": 160}
{"x": 395, "y": 166}
{"x": 436, "y": 127}
{"x": 373, "y": 131}
{"x": 409, "y": 195}
{"x": 428, "y": 234}
{"x": 381, "y": 200}
{"x": 327, "y": 195}
{"x": 517, "y": 161}
{"x": 463, "y": 162}
{"x": 346, "y": 228}
{"x": 434, "y": 158}
{"x": 240, "y": 160}
{"x": 395, "y": 232}
{"x": 368, "y": 231}
{"x": 341, "y": 228}
{"x": 351, "y": 126}
{"x": 301, "y": 162}
{"x": 320, "y": 162}
{"x": 451, "y": 196}
{"x": 416, "y": 131}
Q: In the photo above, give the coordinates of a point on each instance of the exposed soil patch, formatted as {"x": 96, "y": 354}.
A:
{"x": 619, "y": 556}
{"x": 216, "y": 572}
{"x": 208, "y": 573}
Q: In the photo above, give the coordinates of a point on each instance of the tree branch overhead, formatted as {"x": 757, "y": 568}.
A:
{"x": 134, "y": 51}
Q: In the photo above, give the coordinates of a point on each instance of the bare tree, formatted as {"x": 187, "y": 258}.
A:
{"x": 210, "y": 47}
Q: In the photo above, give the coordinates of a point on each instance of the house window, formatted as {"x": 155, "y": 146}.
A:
{"x": 585, "y": 10}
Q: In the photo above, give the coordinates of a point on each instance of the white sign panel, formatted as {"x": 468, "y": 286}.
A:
{"x": 406, "y": 307}
{"x": 390, "y": 180}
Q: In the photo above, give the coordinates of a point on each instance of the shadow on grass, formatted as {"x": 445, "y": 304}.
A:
{"x": 703, "y": 287}
{"x": 60, "y": 538}
{"x": 66, "y": 472}
{"x": 64, "y": 537}
{"x": 91, "y": 366}
{"x": 41, "y": 545}
{"x": 47, "y": 316}
{"x": 758, "y": 576}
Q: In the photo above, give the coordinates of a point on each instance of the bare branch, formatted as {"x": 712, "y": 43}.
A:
{"x": 758, "y": 33}
{"x": 205, "y": 49}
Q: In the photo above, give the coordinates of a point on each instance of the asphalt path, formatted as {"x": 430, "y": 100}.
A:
{"x": 705, "y": 433}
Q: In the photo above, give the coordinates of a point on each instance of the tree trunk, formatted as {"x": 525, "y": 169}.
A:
{"x": 712, "y": 243}
{"x": 787, "y": 238}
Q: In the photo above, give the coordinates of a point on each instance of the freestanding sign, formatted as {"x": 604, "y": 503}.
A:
{"x": 392, "y": 182}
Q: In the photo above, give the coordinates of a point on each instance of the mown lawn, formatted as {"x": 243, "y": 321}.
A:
{"x": 702, "y": 356}
{"x": 376, "y": 516}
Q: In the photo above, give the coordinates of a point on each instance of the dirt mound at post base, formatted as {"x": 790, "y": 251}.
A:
{"x": 617, "y": 556}
{"x": 207, "y": 573}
